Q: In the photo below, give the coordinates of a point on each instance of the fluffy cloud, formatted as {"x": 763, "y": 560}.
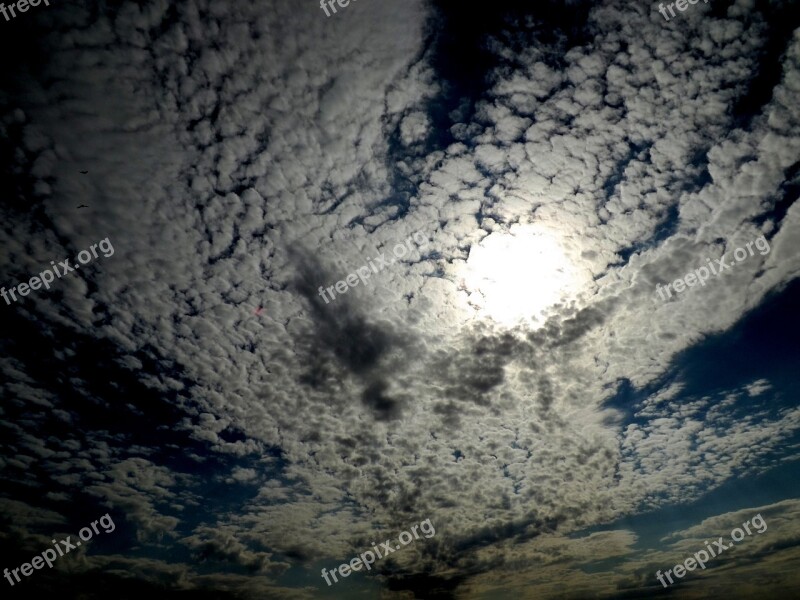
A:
{"x": 244, "y": 154}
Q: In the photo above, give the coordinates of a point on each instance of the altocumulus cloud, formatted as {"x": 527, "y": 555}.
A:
{"x": 244, "y": 153}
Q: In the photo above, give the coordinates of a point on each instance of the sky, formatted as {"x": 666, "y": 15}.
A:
{"x": 508, "y": 287}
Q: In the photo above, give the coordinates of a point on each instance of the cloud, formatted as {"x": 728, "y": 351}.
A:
{"x": 245, "y": 154}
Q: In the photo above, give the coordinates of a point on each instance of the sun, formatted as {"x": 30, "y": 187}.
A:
{"x": 516, "y": 275}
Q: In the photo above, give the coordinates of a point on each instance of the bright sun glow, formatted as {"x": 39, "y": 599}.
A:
{"x": 517, "y": 275}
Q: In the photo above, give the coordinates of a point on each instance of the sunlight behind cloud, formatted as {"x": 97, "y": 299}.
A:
{"x": 517, "y": 275}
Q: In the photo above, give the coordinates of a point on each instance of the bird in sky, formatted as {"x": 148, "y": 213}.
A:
{"x": 83, "y": 206}
{"x": 84, "y": 172}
